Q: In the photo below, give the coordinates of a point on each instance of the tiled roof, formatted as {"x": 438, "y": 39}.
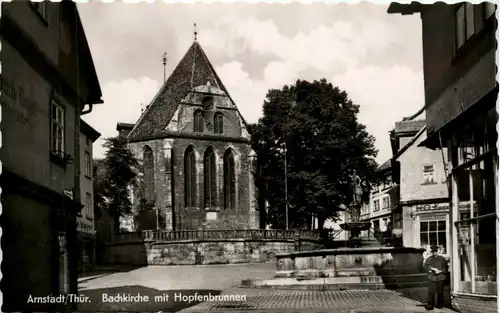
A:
{"x": 193, "y": 70}
{"x": 386, "y": 165}
{"x": 409, "y": 126}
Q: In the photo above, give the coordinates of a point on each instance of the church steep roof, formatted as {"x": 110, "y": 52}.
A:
{"x": 193, "y": 70}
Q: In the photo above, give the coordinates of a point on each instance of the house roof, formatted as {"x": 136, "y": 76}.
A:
{"x": 193, "y": 70}
{"x": 409, "y": 126}
{"x": 410, "y": 143}
{"x": 89, "y": 131}
{"x": 384, "y": 166}
{"x": 404, "y": 8}
{"x": 95, "y": 92}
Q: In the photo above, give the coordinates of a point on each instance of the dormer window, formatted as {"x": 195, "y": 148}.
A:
{"x": 198, "y": 121}
{"x": 208, "y": 103}
{"x": 218, "y": 123}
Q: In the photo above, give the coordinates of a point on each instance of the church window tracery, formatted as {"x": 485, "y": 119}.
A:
{"x": 189, "y": 178}
{"x": 229, "y": 180}
{"x": 210, "y": 172}
{"x": 198, "y": 121}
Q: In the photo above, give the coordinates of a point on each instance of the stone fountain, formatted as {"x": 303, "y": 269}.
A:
{"x": 365, "y": 264}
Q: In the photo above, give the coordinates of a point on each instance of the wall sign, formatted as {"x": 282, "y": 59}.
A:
{"x": 84, "y": 227}
{"x": 15, "y": 103}
{"x": 211, "y": 216}
{"x": 433, "y": 207}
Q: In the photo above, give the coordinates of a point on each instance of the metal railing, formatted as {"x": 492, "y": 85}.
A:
{"x": 179, "y": 235}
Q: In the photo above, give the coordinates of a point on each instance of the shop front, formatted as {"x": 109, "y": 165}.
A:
{"x": 474, "y": 214}
{"x": 86, "y": 245}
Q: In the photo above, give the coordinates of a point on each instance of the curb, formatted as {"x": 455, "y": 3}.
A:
{"x": 86, "y": 279}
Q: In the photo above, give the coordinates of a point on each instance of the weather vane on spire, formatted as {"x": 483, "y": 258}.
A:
{"x": 164, "y": 59}
{"x": 195, "y": 32}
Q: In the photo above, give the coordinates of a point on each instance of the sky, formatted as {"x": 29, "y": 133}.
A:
{"x": 375, "y": 57}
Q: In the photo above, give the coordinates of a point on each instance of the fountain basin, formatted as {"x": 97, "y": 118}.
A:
{"x": 356, "y": 226}
{"x": 348, "y": 262}
{"x": 347, "y": 268}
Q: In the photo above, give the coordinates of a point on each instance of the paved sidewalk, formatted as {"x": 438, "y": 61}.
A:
{"x": 291, "y": 301}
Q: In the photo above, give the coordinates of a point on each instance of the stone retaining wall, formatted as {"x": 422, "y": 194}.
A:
{"x": 190, "y": 252}
{"x": 190, "y": 247}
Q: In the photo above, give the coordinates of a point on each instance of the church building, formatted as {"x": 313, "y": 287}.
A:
{"x": 193, "y": 147}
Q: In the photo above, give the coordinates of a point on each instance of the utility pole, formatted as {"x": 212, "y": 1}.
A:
{"x": 286, "y": 188}
{"x": 157, "y": 218}
{"x": 293, "y": 104}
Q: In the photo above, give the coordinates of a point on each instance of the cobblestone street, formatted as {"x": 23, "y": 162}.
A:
{"x": 349, "y": 301}
{"x": 224, "y": 280}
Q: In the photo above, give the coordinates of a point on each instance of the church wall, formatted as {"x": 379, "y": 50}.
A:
{"x": 214, "y": 218}
{"x": 161, "y": 173}
{"x": 183, "y": 121}
{"x": 244, "y": 216}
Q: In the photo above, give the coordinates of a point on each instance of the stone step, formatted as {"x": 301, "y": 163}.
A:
{"x": 369, "y": 282}
{"x": 344, "y": 272}
{"x": 340, "y": 287}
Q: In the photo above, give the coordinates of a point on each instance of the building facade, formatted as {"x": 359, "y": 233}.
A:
{"x": 383, "y": 202}
{"x": 423, "y": 190}
{"x": 85, "y": 221}
{"x": 192, "y": 143}
{"x": 461, "y": 91}
{"x": 47, "y": 80}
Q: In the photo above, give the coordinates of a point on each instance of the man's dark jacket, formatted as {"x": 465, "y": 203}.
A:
{"x": 438, "y": 262}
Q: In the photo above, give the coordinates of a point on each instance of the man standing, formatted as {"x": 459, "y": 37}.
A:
{"x": 437, "y": 268}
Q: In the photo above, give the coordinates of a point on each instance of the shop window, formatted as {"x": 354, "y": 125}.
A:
{"x": 433, "y": 233}
{"x": 474, "y": 178}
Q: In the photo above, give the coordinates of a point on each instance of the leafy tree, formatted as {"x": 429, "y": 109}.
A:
{"x": 312, "y": 131}
{"x": 145, "y": 216}
{"x": 99, "y": 180}
{"x": 119, "y": 167}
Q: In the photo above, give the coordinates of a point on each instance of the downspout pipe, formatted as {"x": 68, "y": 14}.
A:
{"x": 88, "y": 110}
{"x": 414, "y": 115}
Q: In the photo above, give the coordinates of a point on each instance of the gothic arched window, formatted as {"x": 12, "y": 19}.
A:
{"x": 189, "y": 178}
{"x": 210, "y": 178}
{"x": 149, "y": 174}
{"x": 218, "y": 123}
{"x": 229, "y": 180}
{"x": 198, "y": 121}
